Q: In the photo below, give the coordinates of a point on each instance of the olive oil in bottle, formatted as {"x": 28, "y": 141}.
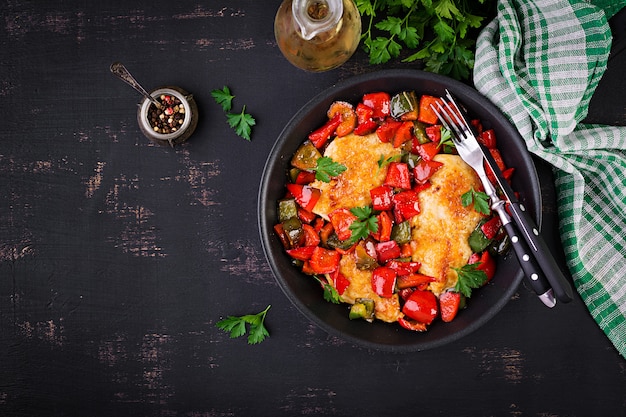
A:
{"x": 317, "y": 35}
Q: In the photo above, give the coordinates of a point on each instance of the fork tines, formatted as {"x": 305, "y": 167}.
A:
{"x": 451, "y": 117}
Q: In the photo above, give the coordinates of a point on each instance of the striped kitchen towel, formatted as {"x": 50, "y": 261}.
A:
{"x": 540, "y": 61}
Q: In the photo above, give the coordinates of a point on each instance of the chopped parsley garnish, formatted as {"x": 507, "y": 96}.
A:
{"x": 478, "y": 198}
{"x": 330, "y": 293}
{"x": 470, "y": 277}
{"x": 365, "y": 224}
{"x": 327, "y": 168}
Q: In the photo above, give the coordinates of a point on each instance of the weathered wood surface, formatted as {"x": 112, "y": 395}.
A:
{"x": 118, "y": 256}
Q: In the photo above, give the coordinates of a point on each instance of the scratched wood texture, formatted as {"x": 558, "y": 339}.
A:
{"x": 118, "y": 256}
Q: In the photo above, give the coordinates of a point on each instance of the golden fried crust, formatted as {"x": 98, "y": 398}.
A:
{"x": 385, "y": 309}
{"x": 360, "y": 155}
{"x": 440, "y": 232}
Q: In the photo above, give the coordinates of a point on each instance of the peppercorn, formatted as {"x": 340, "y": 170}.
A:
{"x": 169, "y": 117}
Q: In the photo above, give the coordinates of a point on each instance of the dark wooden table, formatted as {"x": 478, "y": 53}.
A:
{"x": 118, "y": 256}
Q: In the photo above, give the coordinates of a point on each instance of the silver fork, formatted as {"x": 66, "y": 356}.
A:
{"x": 470, "y": 151}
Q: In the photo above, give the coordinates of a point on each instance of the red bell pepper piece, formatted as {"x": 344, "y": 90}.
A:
{"x": 403, "y": 134}
{"x": 311, "y": 237}
{"x": 305, "y": 195}
{"x": 491, "y": 227}
{"x": 412, "y": 324}
{"x": 488, "y": 138}
{"x": 477, "y": 125}
{"x": 426, "y": 150}
{"x": 449, "y": 302}
{"x": 340, "y": 281}
{"x": 382, "y": 197}
{"x": 305, "y": 177}
{"x": 341, "y": 220}
{"x": 404, "y": 268}
{"x": 365, "y": 122}
{"x": 499, "y": 161}
{"x": 385, "y": 225}
{"x": 321, "y": 135}
{"x": 398, "y": 175}
{"x": 386, "y": 251}
{"x": 426, "y": 113}
{"x": 324, "y": 261}
{"x": 421, "y": 306}
{"x": 380, "y": 102}
{"x": 486, "y": 264}
{"x": 383, "y": 281}
{"x": 406, "y": 205}
{"x": 434, "y": 133}
{"x": 406, "y": 250}
{"x": 424, "y": 170}
{"x": 282, "y": 236}
{"x": 306, "y": 216}
{"x": 413, "y": 280}
{"x": 387, "y": 131}
{"x": 302, "y": 253}
{"x": 325, "y": 232}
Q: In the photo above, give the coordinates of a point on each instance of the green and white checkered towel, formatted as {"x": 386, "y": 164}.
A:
{"x": 540, "y": 61}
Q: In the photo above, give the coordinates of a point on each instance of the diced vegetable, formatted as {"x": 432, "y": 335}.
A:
{"x": 449, "y": 303}
{"x": 398, "y": 176}
{"x": 421, "y": 306}
{"x": 294, "y": 231}
{"x": 413, "y": 281}
{"x": 305, "y": 195}
{"x": 401, "y": 232}
{"x": 347, "y": 114}
{"x": 387, "y": 130}
{"x": 477, "y": 240}
{"x": 320, "y": 136}
{"x": 383, "y": 281}
{"x": 306, "y": 156}
{"x": 363, "y": 308}
{"x": 341, "y": 219}
{"x": 406, "y": 205}
{"x": 382, "y": 197}
{"x": 287, "y": 208}
{"x": 403, "y": 134}
{"x": 364, "y": 260}
{"x": 380, "y": 102}
{"x": 324, "y": 261}
{"x": 365, "y": 120}
{"x": 426, "y": 113}
{"x": 404, "y": 106}
{"x": 387, "y": 251}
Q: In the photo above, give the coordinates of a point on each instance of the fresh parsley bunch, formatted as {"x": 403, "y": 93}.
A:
{"x": 437, "y": 30}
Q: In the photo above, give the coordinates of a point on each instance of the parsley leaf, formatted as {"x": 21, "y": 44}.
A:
{"x": 383, "y": 162}
{"x": 479, "y": 198}
{"x": 242, "y": 123}
{"x": 224, "y": 98}
{"x": 236, "y": 326}
{"x": 469, "y": 278}
{"x": 327, "y": 168}
{"x": 365, "y": 224}
{"x": 330, "y": 293}
{"x": 446, "y": 137}
{"x": 436, "y": 30}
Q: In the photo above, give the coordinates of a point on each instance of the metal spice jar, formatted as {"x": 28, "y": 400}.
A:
{"x": 173, "y": 121}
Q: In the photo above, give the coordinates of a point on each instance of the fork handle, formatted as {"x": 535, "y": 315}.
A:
{"x": 539, "y": 250}
{"x": 527, "y": 260}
